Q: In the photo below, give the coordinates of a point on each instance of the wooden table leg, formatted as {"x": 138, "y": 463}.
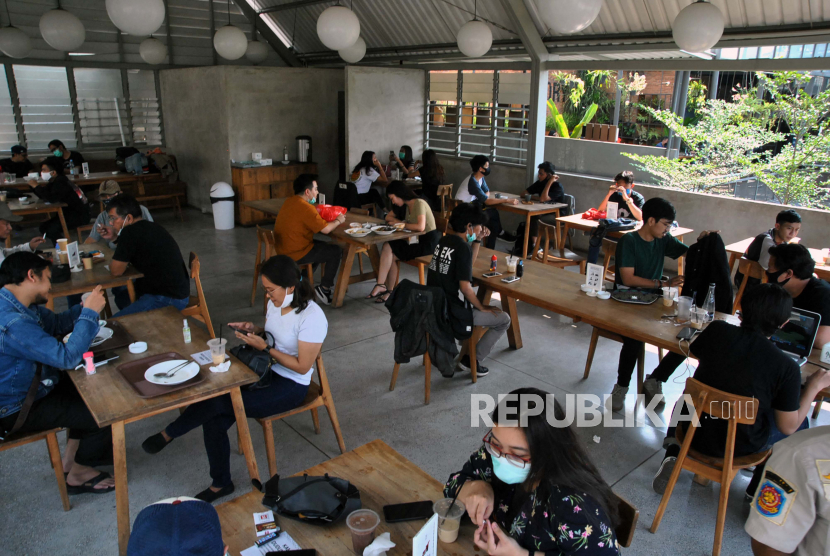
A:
{"x": 527, "y": 236}
{"x": 131, "y": 290}
{"x": 680, "y": 260}
{"x": 63, "y": 223}
{"x": 514, "y": 333}
{"x": 345, "y": 272}
{"x": 562, "y": 237}
{"x": 244, "y": 433}
{"x": 122, "y": 498}
{"x": 732, "y": 258}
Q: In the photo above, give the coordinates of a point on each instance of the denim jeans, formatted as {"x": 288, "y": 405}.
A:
{"x": 149, "y": 302}
{"x": 216, "y": 416}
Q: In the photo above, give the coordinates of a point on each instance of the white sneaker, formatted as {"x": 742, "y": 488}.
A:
{"x": 618, "y": 397}
{"x": 651, "y": 388}
{"x": 323, "y": 296}
{"x": 661, "y": 480}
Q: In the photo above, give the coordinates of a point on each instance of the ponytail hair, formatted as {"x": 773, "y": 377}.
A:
{"x": 284, "y": 272}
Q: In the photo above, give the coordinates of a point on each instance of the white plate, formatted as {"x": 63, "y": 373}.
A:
{"x": 186, "y": 373}
{"x": 358, "y": 232}
{"x": 381, "y": 232}
{"x": 103, "y": 335}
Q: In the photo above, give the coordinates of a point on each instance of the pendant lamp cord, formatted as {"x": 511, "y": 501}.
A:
{"x": 8, "y": 14}
{"x": 475, "y": 10}
{"x": 229, "y": 12}
{"x": 294, "y": 30}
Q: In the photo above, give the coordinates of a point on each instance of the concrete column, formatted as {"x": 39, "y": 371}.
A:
{"x": 713, "y": 85}
{"x": 538, "y": 112}
{"x": 616, "y": 120}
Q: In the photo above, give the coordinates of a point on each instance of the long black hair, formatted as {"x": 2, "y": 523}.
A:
{"x": 365, "y": 162}
{"x": 556, "y": 455}
{"x": 407, "y": 159}
{"x": 400, "y": 190}
{"x": 284, "y": 272}
{"x": 431, "y": 171}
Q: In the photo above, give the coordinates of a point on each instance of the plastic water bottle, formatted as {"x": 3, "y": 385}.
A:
{"x": 493, "y": 262}
{"x": 709, "y": 304}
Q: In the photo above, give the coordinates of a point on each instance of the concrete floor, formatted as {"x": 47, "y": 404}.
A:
{"x": 358, "y": 354}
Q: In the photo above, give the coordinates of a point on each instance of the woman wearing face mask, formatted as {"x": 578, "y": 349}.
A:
{"x": 70, "y": 158}
{"x": 295, "y": 327}
{"x": 59, "y": 189}
{"x": 369, "y": 179}
{"x": 406, "y": 162}
{"x": 532, "y": 489}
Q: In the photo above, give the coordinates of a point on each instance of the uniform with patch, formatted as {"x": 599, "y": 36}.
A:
{"x": 791, "y": 509}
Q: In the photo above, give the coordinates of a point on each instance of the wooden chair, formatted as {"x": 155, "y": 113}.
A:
{"x": 444, "y": 193}
{"x": 750, "y": 269}
{"x": 319, "y": 395}
{"x": 569, "y": 259}
{"x": 629, "y": 515}
{"x": 737, "y": 410}
{"x": 592, "y": 347}
{"x": 51, "y": 439}
{"x": 82, "y": 229}
{"x": 197, "y": 307}
{"x": 266, "y": 238}
{"x": 427, "y": 375}
{"x": 609, "y": 246}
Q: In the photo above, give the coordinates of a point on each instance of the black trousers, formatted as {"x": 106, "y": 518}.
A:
{"x": 494, "y": 225}
{"x": 328, "y": 253}
{"x": 63, "y": 407}
{"x": 628, "y": 360}
{"x": 667, "y": 366}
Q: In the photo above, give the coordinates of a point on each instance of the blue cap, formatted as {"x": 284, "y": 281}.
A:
{"x": 177, "y": 527}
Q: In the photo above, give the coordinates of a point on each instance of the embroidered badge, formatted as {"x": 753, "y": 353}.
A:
{"x": 823, "y": 466}
{"x": 775, "y": 497}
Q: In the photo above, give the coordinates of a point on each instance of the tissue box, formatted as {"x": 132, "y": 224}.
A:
{"x": 266, "y": 161}
{"x": 256, "y": 156}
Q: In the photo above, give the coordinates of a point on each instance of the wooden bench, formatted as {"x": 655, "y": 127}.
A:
{"x": 170, "y": 200}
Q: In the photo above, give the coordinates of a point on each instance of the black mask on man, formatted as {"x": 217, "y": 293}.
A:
{"x": 773, "y": 277}
{"x": 486, "y": 171}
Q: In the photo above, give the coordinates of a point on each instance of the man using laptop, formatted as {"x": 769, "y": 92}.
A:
{"x": 791, "y": 267}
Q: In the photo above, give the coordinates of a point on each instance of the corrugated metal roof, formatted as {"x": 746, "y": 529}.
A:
{"x": 191, "y": 39}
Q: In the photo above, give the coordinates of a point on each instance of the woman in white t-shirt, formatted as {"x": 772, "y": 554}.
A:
{"x": 298, "y": 328}
{"x": 369, "y": 178}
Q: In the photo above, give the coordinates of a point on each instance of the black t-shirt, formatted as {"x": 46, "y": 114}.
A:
{"x": 743, "y": 362}
{"x": 75, "y": 159}
{"x": 60, "y": 190}
{"x": 153, "y": 252}
{"x": 815, "y": 298}
{"x": 452, "y": 262}
{"x": 19, "y": 169}
{"x": 622, "y": 206}
{"x": 556, "y": 192}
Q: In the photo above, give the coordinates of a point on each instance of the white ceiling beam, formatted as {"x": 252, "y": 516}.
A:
{"x": 270, "y": 37}
{"x": 523, "y": 24}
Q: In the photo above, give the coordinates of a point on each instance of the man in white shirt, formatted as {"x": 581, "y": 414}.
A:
{"x": 474, "y": 189}
{"x": 6, "y": 219}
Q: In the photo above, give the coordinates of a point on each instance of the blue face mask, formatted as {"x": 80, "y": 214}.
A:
{"x": 507, "y": 472}
{"x": 628, "y": 191}
{"x": 471, "y": 238}
{"x": 401, "y": 155}
{"x": 57, "y": 152}
{"x": 313, "y": 201}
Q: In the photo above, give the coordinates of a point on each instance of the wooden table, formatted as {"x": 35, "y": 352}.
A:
{"x": 737, "y": 249}
{"x": 86, "y": 280}
{"x": 536, "y": 208}
{"x": 576, "y": 222}
{"x": 38, "y": 207}
{"x": 350, "y": 245}
{"x": 93, "y": 178}
{"x": 383, "y": 477}
{"x": 113, "y": 402}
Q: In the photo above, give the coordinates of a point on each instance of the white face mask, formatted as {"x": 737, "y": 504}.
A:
{"x": 122, "y": 228}
{"x": 46, "y": 175}
{"x": 289, "y": 297}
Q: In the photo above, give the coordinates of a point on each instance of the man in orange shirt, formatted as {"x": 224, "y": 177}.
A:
{"x": 296, "y": 224}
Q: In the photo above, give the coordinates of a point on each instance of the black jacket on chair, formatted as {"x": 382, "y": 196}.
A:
{"x": 416, "y": 311}
{"x": 707, "y": 263}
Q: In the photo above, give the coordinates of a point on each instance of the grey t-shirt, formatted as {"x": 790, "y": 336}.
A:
{"x": 103, "y": 221}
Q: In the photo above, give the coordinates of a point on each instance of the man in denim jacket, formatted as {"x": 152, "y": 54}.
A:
{"x": 28, "y": 334}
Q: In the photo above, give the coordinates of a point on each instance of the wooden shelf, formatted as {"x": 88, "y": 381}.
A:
{"x": 265, "y": 182}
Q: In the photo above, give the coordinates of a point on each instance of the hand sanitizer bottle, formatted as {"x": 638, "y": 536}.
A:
{"x": 186, "y": 332}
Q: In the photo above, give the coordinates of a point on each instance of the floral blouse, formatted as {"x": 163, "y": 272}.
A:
{"x": 565, "y": 522}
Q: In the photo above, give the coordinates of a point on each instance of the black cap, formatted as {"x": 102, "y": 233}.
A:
{"x": 19, "y": 149}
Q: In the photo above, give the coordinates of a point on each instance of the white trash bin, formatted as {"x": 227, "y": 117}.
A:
{"x": 222, "y": 198}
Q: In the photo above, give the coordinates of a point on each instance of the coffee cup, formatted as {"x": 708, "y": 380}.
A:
{"x": 62, "y": 244}
{"x": 668, "y": 298}
{"x": 527, "y": 198}
{"x": 362, "y": 524}
{"x": 684, "y": 307}
{"x": 698, "y": 318}
{"x": 217, "y": 350}
{"x": 86, "y": 258}
{"x": 63, "y": 257}
{"x": 511, "y": 263}
{"x": 449, "y": 518}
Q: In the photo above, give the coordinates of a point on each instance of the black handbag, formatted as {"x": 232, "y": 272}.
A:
{"x": 315, "y": 500}
{"x": 258, "y": 361}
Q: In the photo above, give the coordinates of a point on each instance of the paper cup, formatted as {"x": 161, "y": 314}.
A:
{"x": 449, "y": 518}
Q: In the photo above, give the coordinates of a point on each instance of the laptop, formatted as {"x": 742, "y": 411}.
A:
{"x": 797, "y": 336}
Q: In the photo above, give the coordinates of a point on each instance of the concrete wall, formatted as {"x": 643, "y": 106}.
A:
{"x": 269, "y": 107}
{"x": 215, "y": 114}
{"x": 597, "y": 158}
{"x": 194, "y": 101}
{"x": 384, "y": 110}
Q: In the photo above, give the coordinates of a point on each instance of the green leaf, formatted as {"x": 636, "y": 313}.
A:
{"x": 561, "y": 128}
{"x": 589, "y": 115}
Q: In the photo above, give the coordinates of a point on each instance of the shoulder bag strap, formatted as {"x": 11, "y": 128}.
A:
{"x": 27, "y": 403}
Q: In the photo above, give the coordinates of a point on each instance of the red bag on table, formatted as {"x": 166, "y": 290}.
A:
{"x": 593, "y": 214}
{"x": 330, "y": 212}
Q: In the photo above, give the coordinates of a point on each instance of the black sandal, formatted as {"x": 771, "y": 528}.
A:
{"x": 89, "y": 486}
{"x": 385, "y": 290}
{"x": 382, "y": 298}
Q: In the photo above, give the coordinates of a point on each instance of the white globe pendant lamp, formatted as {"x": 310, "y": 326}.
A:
{"x": 14, "y": 43}
{"x": 152, "y": 51}
{"x": 230, "y": 42}
{"x": 354, "y": 53}
{"x": 141, "y": 18}
{"x": 61, "y": 30}
{"x": 338, "y": 27}
{"x": 257, "y": 52}
{"x": 698, "y": 27}
{"x": 474, "y": 38}
{"x": 568, "y": 16}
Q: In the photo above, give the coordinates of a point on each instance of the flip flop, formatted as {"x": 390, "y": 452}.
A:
{"x": 385, "y": 290}
{"x": 89, "y": 486}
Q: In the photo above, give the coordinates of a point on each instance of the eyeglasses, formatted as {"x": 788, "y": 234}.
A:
{"x": 497, "y": 452}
